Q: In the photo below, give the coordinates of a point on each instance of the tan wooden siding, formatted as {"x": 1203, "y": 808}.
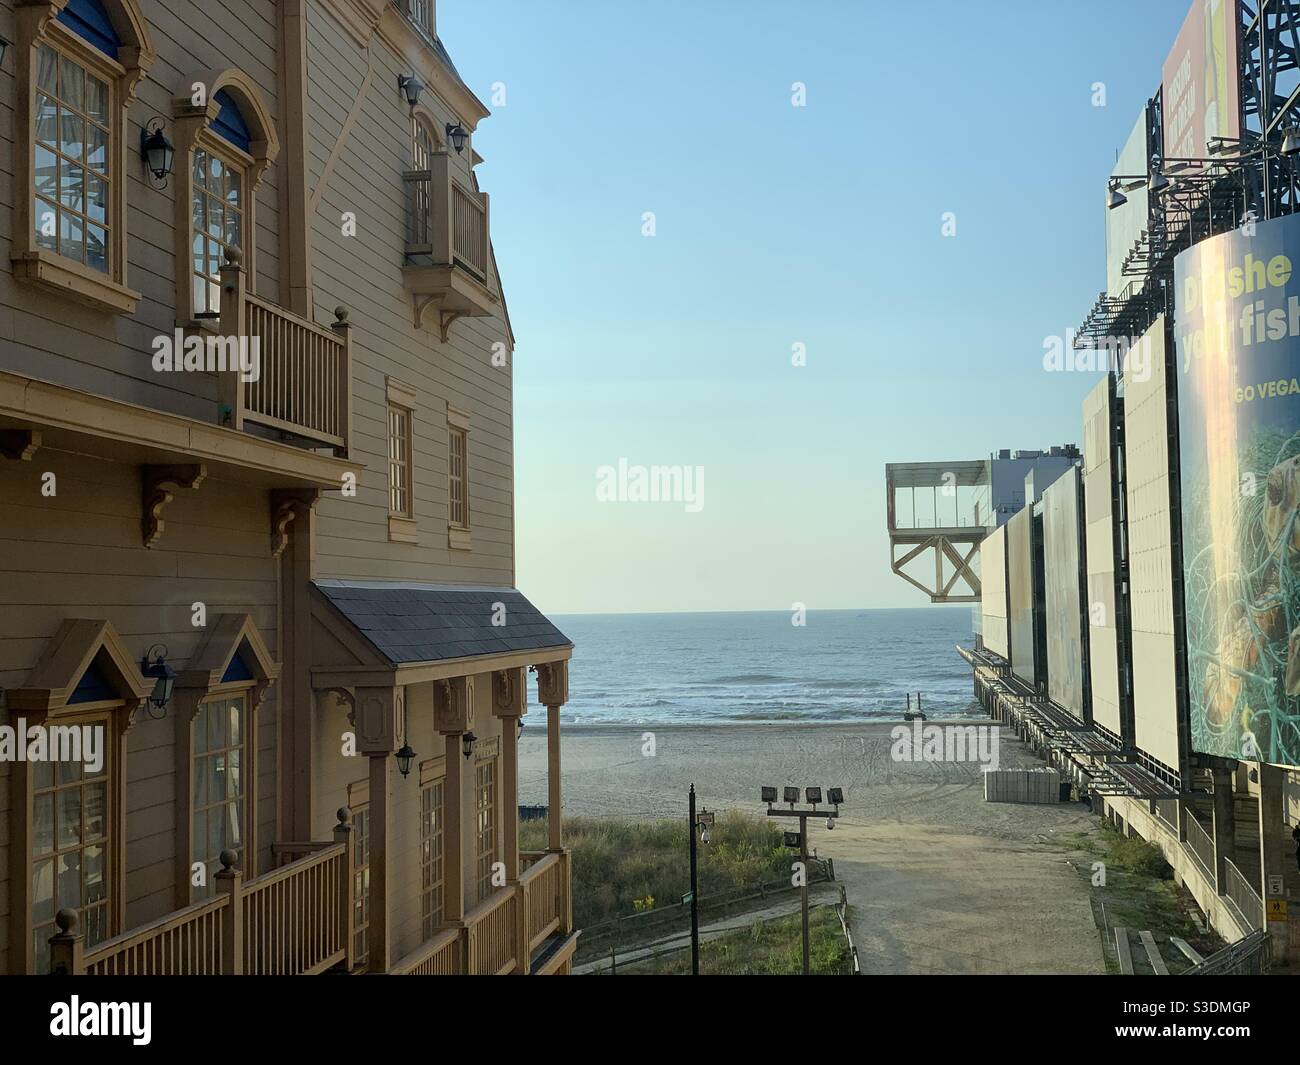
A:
{"x": 58, "y": 339}
{"x": 79, "y": 555}
{"x": 364, "y": 273}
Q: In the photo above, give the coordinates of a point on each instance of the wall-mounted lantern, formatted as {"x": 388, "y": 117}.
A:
{"x": 457, "y": 135}
{"x": 156, "y": 150}
{"x": 467, "y": 742}
{"x": 164, "y": 677}
{"x": 411, "y": 86}
{"x": 405, "y": 756}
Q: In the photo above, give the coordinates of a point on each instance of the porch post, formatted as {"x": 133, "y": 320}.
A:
{"x": 378, "y": 716}
{"x": 453, "y": 716}
{"x": 553, "y": 693}
{"x": 293, "y": 526}
{"x": 509, "y": 704}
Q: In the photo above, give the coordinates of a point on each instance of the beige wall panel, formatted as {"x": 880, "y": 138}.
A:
{"x": 78, "y": 554}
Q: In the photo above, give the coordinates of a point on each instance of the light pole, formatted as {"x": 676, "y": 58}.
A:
{"x": 699, "y": 824}
{"x": 799, "y": 840}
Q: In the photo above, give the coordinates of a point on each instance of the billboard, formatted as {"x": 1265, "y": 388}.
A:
{"x": 1150, "y": 549}
{"x": 1199, "y": 81}
{"x": 1020, "y": 586}
{"x": 1063, "y": 597}
{"x": 1099, "y": 557}
{"x": 993, "y": 591}
{"x": 1238, "y": 346}
{"x": 1125, "y": 223}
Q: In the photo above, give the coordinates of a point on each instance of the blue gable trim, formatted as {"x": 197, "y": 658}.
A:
{"x": 230, "y": 124}
{"x": 93, "y": 686}
{"x": 238, "y": 669}
{"x": 89, "y": 21}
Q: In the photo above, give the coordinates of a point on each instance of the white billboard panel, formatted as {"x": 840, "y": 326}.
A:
{"x": 1151, "y": 572}
{"x": 993, "y": 594}
{"x": 1099, "y": 549}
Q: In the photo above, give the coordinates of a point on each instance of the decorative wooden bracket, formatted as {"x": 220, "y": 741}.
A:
{"x": 19, "y": 445}
{"x": 158, "y": 487}
{"x": 285, "y": 506}
{"x": 445, "y": 318}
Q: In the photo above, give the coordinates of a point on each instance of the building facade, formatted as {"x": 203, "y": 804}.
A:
{"x": 256, "y": 503}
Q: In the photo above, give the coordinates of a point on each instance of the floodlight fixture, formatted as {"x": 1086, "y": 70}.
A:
{"x": 813, "y": 795}
{"x": 769, "y": 795}
{"x": 835, "y": 796}
{"x": 791, "y": 795}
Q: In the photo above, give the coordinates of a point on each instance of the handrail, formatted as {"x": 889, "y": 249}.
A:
{"x": 1200, "y": 846}
{"x": 1239, "y": 890}
{"x": 296, "y": 377}
{"x": 182, "y": 942}
{"x": 439, "y": 956}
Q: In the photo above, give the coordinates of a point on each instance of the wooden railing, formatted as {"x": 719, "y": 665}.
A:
{"x": 492, "y": 945}
{"x": 501, "y": 933}
{"x": 447, "y": 223}
{"x": 187, "y": 942}
{"x": 292, "y": 917}
{"x": 443, "y": 955}
{"x": 542, "y": 897}
{"x": 300, "y": 383}
{"x": 294, "y": 920}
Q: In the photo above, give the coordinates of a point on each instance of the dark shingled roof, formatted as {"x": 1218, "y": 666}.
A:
{"x": 426, "y": 623}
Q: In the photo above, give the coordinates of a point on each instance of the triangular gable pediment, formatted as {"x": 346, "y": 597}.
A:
{"x": 79, "y": 646}
{"x": 335, "y": 641}
{"x": 230, "y": 638}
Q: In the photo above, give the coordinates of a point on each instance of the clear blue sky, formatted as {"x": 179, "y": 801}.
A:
{"x": 777, "y": 225}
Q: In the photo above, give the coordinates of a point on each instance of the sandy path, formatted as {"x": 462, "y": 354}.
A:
{"x": 939, "y": 880}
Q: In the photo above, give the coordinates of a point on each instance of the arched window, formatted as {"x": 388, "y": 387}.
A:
{"x": 225, "y": 141}
{"x": 82, "y": 62}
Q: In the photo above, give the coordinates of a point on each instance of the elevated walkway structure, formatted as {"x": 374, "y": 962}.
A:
{"x": 937, "y": 517}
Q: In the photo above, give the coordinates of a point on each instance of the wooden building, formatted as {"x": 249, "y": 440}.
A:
{"x": 302, "y": 524}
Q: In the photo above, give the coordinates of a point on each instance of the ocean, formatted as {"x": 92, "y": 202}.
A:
{"x": 842, "y": 666}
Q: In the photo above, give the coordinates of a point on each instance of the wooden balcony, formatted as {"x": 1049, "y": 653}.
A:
{"x": 303, "y": 388}
{"x": 447, "y": 267}
{"x": 295, "y": 920}
{"x": 523, "y": 928}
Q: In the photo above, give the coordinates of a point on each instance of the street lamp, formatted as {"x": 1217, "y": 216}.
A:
{"x": 799, "y": 840}
{"x": 699, "y": 826}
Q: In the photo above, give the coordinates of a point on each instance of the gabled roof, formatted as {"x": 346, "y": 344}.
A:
{"x": 79, "y": 645}
{"x": 407, "y": 622}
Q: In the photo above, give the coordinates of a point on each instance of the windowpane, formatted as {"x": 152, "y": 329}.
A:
{"x": 43, "y": 891}
{"x": 46, "y": 218}
{"x": 72, "y": 188}
{"x": 96, "y": 148}
{"x": 72, "y": 83}
{"x": 94, "y": 862}
{"x": 69, "y": 886}
{"x": 47, "y": 121}
{"x": 95, "y": 797}
{"x": 72, "y": 132}
{"x": 97, "y": 99}
{"x": 47, "y": 62}
{"x": 69, "y": 818}
{"x": 71, "y": 239}
{"x": 43, "y": 824}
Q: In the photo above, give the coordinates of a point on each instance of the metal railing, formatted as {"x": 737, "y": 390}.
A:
{"x": 1252, "y": 956}
{"x": 1200, "y": 846}
{"x": 1240, "y": 893}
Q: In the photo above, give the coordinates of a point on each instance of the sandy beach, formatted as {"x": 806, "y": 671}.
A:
{"x": 940, "y": 880}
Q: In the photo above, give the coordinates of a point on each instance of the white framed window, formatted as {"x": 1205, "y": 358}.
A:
{"x": 219, "y": 784}
{"x": 432, "y": 864}
{"x": 485, "y": 834}
{"x": 217, "y": 219}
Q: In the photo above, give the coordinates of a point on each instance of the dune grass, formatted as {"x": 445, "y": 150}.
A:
{"x": 621, "y": 866}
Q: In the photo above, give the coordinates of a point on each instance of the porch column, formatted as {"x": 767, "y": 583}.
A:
{"x": 553, "y": 693}
{"x": 1224, "y": 824}
{"x": 1277, "y": 858}
{"x": 293, "y": 528}
{"x": 378, "y": 719}
{"x": 509, "y": 704}
{"x": 453, "y": 716}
